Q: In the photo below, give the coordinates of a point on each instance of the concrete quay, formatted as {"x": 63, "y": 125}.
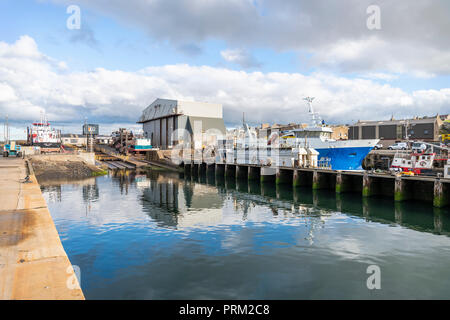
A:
{"x": 33, "y": 263}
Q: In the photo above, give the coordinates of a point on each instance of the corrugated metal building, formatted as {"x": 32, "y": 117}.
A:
{"x": 163, "y": 117}
{"x": 426, "y": 129}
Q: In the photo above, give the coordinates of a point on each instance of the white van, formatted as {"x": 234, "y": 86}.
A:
{"x": 399, "y": 146}
{"x": 419, "y": 147}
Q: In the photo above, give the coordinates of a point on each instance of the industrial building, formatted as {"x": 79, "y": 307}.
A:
{"x": 163, "y": 117}
{"x": 425, "y": 129}
{"x": 103, "y": 140}
{"x": 73, "y": 139}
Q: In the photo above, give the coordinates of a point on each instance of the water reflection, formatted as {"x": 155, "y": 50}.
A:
{"x": 211, "y": 237}
{"x": 176, "y": 201}
{"x": 173, "y": 202}
{"x": 190, "y": 196}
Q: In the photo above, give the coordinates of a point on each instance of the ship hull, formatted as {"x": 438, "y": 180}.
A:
{"x": 343, "y": 154}
{"x": 348, "y": 158}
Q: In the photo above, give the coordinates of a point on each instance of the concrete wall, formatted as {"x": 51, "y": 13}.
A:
{"x": 30, "y": 150}
{"x": 200, "y": 109}
{"x": 86, "y": 157}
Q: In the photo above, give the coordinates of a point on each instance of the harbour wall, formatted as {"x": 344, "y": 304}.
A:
{"x": 434, "y": 190}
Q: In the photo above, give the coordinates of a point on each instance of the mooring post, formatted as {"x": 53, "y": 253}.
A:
{"x": 253, "y": 173}
{"x": 282, "y": 176}
{"x": 318, "y": 180}
{"x": 296, "y": 181}
{"x": 315, "y": 184}
{"x": 440, "y": 198}
{"x": 343, "y": 183}
{"x": 400, "y": 190}
{"x": 367, "y": 189}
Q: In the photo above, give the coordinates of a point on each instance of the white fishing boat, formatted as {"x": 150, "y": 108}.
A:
{"x": 43, "y": 135}
{"x": 417, "y": 163}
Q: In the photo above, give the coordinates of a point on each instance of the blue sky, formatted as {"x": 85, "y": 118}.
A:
{"x": 117, "y": 45}
{"x": 259, "y": 56}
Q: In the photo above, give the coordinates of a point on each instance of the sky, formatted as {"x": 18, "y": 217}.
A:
{"x": 360, "y": 59}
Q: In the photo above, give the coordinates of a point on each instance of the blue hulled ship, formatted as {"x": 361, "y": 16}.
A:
{"x": 341, "y": 154}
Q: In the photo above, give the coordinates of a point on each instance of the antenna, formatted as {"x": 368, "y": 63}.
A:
{"x": 6, "y": 131}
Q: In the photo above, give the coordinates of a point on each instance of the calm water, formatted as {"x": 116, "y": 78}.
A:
{"x": 159, "y": 236}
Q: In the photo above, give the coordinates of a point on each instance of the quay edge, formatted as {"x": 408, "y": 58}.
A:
{"x": 35, "y": 265}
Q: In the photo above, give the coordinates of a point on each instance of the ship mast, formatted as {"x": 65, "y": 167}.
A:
{"x": 315, "y": 117}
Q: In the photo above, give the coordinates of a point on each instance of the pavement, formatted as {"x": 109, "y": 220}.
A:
{"x": 33, "y": 263}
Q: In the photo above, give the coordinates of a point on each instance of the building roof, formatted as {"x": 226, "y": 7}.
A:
{"x": 391, "y": 122}
{"x": 163, "y": 108}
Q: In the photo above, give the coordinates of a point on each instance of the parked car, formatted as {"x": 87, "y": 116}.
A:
{"x": 378, "y": 146}
{"x": 399, "y": 146}
{"x": 419, "y": 147}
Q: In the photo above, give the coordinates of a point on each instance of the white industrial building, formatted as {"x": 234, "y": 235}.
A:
{"x": 77, "y": 140}
{"x": 198, "y": 119}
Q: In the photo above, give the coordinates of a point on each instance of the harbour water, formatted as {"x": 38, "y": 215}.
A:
{"x": 161, "y": 236}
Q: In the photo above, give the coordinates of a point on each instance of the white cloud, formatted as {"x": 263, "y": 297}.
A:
{"x": 30, "y": 82}
{"x": 413, "y": 37}
{"x": 240, "y": 57}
